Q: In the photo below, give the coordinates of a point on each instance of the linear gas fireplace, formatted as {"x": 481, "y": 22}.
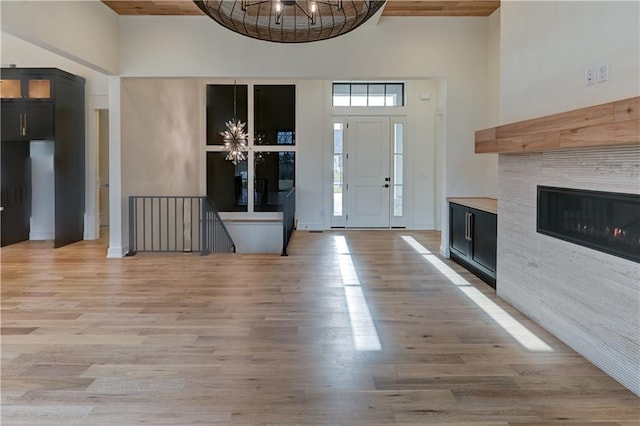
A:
{"x": 604, "y": 221}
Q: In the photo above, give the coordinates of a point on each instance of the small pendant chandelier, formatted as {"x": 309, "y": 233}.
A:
{"x": 288, "y": 21}
{"x": 235, "y": 138}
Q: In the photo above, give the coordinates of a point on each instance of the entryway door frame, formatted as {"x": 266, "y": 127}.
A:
{"x": 372, "y": 183}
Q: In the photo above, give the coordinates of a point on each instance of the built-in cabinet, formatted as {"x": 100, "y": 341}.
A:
{"x": 42, "y": 104}
{"x": 473, "y": 236}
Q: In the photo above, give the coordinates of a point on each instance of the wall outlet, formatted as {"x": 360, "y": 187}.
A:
{"x": 590, "y": 76}
{"x": 602, "y": 73}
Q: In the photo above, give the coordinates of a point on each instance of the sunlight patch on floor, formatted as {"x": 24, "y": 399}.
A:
{"x": 519, "y": 332}
{"x": 365, "y": 335}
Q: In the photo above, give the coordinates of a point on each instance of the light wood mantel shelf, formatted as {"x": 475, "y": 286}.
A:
{"x": 610, "y": 124}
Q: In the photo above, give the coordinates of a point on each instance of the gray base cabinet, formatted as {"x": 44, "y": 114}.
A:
{"x": 473, "y": 240}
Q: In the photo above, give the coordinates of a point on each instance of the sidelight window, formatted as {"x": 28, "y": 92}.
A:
{"x": 398, "y": 169}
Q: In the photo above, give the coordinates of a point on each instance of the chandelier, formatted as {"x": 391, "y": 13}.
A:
{"x": 287, "y": 21}
{"x": 235, "y": 138}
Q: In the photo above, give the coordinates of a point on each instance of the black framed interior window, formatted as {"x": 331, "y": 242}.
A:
{"x": 224, "y": 102}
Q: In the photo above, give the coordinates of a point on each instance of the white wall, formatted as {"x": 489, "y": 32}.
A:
{"x": 312, "y": 178}
{"x": 493, "y": 71}
{"x": 85, "y": 32}
{"x": 545, "y": 48}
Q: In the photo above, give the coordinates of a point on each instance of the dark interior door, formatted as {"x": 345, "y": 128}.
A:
{"x": 15, "y": 193}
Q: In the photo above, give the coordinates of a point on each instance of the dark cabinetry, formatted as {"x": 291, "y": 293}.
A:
{"x": 472, "y": 240}
{"x": 42, "y": 104}
{"x": 25, "y": 121}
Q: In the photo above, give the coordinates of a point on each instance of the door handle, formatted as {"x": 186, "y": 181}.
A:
{"x": 467, "y": 226}
{"x": 386, "y": 185}
{"x": 23, "y": 124}
{"x": 387, "y": 179}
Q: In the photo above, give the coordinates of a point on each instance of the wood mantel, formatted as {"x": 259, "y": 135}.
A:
{"x": 613, "y": 123}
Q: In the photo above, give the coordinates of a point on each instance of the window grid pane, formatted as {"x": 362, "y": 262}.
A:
{"x": 337, "y": 169}
{"x": 338, "y": 131}
{"x": 376, "y": 95}
{"x": 395, "y": 94}
{"x": 359, "y": 94}
{"x": 398, "y": 129}
{"x": 397, "y": 177}
{"x": 397, "y": 200}
{"x": 337, "y": 200}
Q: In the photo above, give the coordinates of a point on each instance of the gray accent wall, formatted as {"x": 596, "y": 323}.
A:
{"x": 588, "y": 299}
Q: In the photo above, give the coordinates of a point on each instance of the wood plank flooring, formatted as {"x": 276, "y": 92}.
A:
{"x": 263, "y": 339}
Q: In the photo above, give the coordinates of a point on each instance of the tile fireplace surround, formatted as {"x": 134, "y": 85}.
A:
{"x": 588, "y": 299}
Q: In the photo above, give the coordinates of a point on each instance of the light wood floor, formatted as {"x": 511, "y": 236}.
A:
{"x": 263, "y": 339}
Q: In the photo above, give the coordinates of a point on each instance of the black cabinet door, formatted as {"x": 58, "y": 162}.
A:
{"x": 457, "y": 229}
{"x": 12, "y": 116}
{"x": 484, "y": 235}
{"x": 23, "y": 121}
{"x": 16, "y": 192}
{"x": 39, "y": 121}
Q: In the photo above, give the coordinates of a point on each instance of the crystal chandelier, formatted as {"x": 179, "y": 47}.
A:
{"x": 288, "y": 21}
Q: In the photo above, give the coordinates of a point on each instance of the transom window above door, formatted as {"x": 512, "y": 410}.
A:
{"x": 368, "y": 94}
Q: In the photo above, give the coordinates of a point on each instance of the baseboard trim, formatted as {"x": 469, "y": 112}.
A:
{"x": 117, "y": 252}
{"x": 41, "y": 235}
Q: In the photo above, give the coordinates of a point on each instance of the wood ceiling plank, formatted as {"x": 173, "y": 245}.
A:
{"x": 392, "y": 8}
{"x": 155, "y": 7}
{"x": 440, "y": 8}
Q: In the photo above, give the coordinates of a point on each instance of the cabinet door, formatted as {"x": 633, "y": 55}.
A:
{"x": 457, "y": 229}
{"x": 23, "y": 121}
{"x": 39, "y": 121}
{"x": 16, "y": 192}
{"x": 484, "y": 235}
{"x": 12, "y": 116}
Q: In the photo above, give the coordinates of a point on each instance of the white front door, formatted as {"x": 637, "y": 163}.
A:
{"x": 368, "y": 177}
